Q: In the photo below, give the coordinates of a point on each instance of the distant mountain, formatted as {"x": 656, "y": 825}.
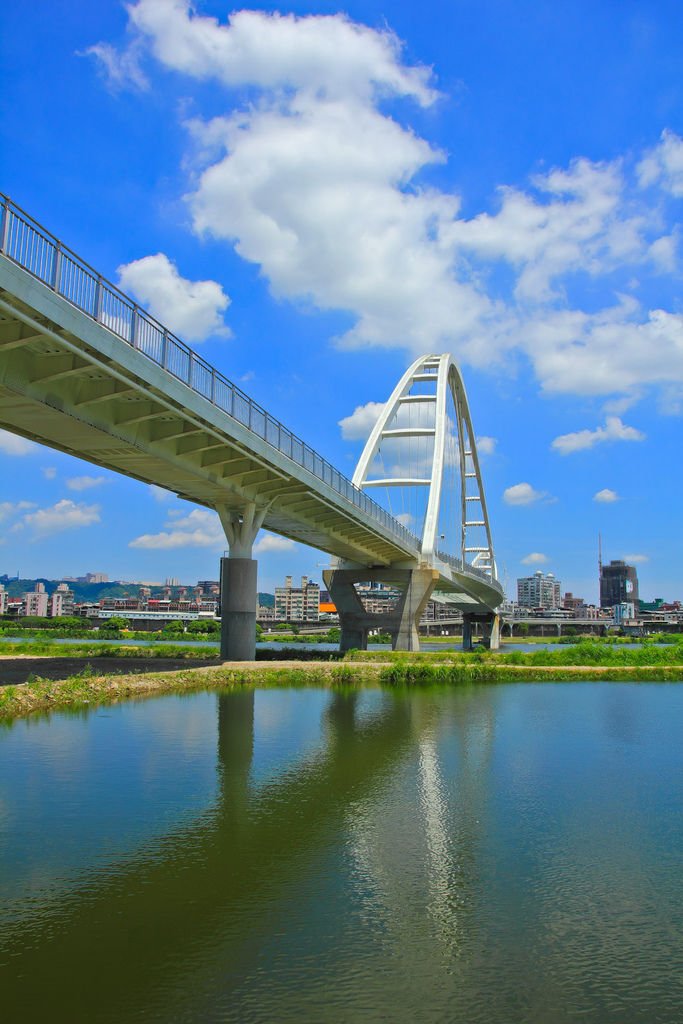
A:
{"x": 82, "y": 591}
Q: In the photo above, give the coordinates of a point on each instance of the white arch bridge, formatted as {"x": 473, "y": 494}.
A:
{"x": 87, "y": 371}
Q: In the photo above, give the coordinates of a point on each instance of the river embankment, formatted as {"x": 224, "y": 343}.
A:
{"x": 100, "y": 681}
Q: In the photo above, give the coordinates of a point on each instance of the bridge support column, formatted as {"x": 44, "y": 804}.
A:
{"x": 238, "y": 583}
{"x": 401, "y": 621}
{"x": 492, "y": 632}
{"x": 467, "y": 623}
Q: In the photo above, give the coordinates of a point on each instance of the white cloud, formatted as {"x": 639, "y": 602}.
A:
{"x": 608, "y": 352}
{"x": 192, "y": 309}
{"x": 200, "y": 529}
{"x": 358, "y": 425}
{"x": 49, "y": 472}
{"x": 318, "y": 186}
{"x": 618, "y": 406}
{"x": 10, "y": 509}
{"x": 486, "y": 445}
{"x": 85, "y": 483}
{"x": 121, "y": 69}
{"x": 664, "y": 165}
{"x": 312, "y": 54}
{"x": 614, "y": 430}
{"x": 632, "y": 559}
{"x": 272, "y": 542}
{"x": 522, "y": 494}
{"x": 606, "y": 496}
{"x": 664, "y": 252}
{"x": 571, "y": 224}
{"x": 535, "y": 558}
{"x": 64, "y": 515}
{"x": 13, "y": 444}
{"x": 160, "y": 494}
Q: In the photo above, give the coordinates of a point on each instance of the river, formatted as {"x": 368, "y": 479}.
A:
{"x": 494, "y": 854}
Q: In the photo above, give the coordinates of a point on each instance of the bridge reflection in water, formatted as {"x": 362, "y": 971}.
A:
{"x": 373, "y": 855}
{"x": 205, "y": 909}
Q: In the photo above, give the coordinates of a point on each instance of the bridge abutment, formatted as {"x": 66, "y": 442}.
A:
{"x": 401, "y": 620}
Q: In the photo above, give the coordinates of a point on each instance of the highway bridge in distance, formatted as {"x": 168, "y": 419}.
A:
{"x": 87, "y": 371}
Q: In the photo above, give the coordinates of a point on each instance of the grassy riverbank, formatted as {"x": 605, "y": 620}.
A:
{"x": 385, "y": 668}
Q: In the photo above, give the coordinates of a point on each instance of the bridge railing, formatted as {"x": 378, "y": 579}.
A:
{"x": 460, "y": 566}
{"x": 28, "y": 244}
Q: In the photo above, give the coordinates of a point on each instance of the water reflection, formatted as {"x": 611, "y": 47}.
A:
{"x": 483, "y": 854}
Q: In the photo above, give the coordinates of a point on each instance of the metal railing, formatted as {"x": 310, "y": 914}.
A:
{"x": 465, "y": 567}
{"x": 29, "y": 245}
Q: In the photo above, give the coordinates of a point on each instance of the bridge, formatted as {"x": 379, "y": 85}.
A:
{"x": 85, "y": 370}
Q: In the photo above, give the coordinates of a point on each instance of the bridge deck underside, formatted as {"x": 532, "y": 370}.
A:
{"x": 68, "y": 382}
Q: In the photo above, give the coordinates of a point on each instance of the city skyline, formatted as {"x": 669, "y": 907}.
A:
{"x": 547, "y": 260}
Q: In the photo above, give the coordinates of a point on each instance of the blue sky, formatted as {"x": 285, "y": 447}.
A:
{"x": 314, "y": 198}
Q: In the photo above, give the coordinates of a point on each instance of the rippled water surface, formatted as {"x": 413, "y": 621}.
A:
{"x": 495, "y": 854}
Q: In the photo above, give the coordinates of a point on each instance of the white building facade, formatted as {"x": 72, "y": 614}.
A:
{"x": 297, "y": 604}
{"x": 539, "y": 591}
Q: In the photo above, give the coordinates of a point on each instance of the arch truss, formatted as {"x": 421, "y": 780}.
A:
{"x": 423, "y": 443}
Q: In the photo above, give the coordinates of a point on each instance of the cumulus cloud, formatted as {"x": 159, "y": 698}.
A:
{"x": 631, "y": 559}
{"x": 614, "y": 430}
{"x": 359, "y": 424}
{"x": 200, "y": 529}
{"x": 319, "y": 53}
{"x": 191, "y": 309}
{"x": 316, "y": 184}
{"x": 486, "y": 445}
{"x": 606, "y": 496}
{"x": 522, "y": 494}
{"x": 13, "y": 444}
{"x": 272, "y": 542}
{"x": 49, "y": 472}
{"x": 85, "y": 483}
{"x": 664, "y": 165}
{"x": 535, "y": 558}
{"x": 64, "y": 515}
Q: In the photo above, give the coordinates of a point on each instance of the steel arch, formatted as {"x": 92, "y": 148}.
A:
{"x": 447, "y": 378}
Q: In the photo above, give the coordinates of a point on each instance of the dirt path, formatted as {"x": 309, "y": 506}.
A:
{"x": 18, "y": 669}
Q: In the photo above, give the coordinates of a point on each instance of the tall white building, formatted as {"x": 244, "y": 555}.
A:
{"x": 3, "y": 600}
{"x": 538, "y": 591}
{"x": 297, "y": 604}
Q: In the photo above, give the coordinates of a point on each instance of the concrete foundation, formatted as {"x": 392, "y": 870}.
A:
{"x": 238, "y": 609}
{"x": 400, "y": 622}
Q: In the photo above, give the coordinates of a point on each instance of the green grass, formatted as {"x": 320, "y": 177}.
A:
{"x": 586, "y": 660}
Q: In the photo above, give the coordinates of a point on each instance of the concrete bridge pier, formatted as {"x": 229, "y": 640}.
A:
{"x": 490, "y": 625}
{"x": 401, "y": 621}
{"x": 467, "y": 628}
{"x": 492, "y": 632}
{"x": 238, "y": 583}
